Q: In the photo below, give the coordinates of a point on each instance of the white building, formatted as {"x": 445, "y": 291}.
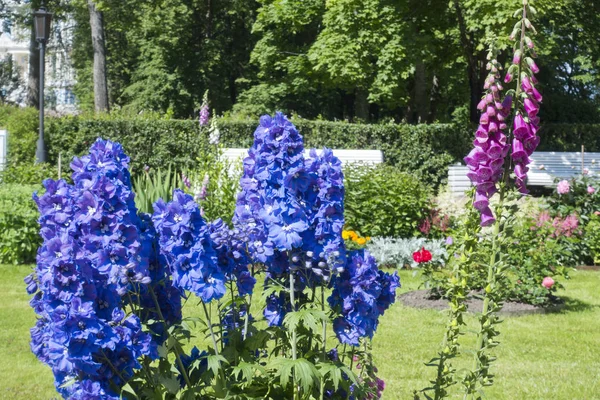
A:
{"x": 59, "y": 74}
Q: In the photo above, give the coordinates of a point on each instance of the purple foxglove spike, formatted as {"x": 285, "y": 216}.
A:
{"x": 481, "y": 136}
{"x": 495, "y": 151}
{"x": 517, "y": 57}
{"x": 519, "y": 152}
{"x": 499, "y": 85}
{"x": 480, "y": 155}
{"x": 508, "y": 78}
{"x": 500, "y": 138}
{"x": 484, "y": 174}
{"x": 500, "y": 116}
{"x": 487, "y": 217}
{"x": 533, "y": 66}
{"x": 487, "y": 83}
{"x": 482, "y": 104}
{"x": 502, "y": 126}
{"x": 481, "y": 201}
{"x": 494, "y": 88}
{"x": 489, "y": 98}
{"x": 490, "y": 111}
{"x": 483, "y": 145}
{"x": 526, "y": 84}
{"x": 493, "y": 126}
{"x": 498, "y": 105}
{"x": 531, "y": 108}
{"x": 507, "y": 104}
{"x": 520, "y": 127}
{"x": 537, "y": 96}
{"x": 521, "y": 171}
{"x": 520, "y": 184}
{"x": 535, "y": 121}
{"x": 472, "y": 176}
{"x": 530, "y": 144}
{"x": 529, "y": 42}
{"x": 497, "y": 163}
{"x": 484, "y": 119}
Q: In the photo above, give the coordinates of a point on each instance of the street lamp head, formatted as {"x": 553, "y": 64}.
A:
{"x": 42, "y": 20}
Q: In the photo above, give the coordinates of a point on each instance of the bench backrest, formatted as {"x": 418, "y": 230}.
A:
{"x": 346, "y": 156}
{"x": 545, "y": 167}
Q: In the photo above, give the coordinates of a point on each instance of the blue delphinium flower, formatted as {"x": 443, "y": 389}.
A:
{"x": 361, "y": 294}
{"x": 91, "y": 256}
{"x": 186, "y": 244}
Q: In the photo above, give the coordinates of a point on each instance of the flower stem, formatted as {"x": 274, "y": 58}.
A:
{"x": 247, "y": 316}
{"x": 210, "y": 328}
{"x": 294, "y": 339}
{"x": 324, "y": 355}
{"x": 186, "y": 378}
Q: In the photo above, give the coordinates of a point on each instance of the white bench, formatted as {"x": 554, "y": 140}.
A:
{"x": 545, "y": 167}
{"x": 346, "y": 156}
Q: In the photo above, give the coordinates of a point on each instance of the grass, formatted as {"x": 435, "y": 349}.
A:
{"x": 550, "y": 357}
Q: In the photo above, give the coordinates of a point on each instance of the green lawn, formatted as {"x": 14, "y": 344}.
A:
{"x": 550, "y": 357}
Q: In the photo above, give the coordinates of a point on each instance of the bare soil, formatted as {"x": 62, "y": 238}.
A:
{"x": 420, "y": 299}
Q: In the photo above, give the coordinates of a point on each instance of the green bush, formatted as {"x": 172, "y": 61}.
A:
{"x": 425, "y": 150}
{"x": 19, "y": 229}
{"x": 592, "y": 237}
{"x": 22, "y": 127}
{"x": 28, "y": 173}
{"x": 382, "y": 201}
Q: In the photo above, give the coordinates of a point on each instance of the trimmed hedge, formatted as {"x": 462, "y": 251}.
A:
{"x": 425, "y": 150}
{"x": 19, "y": 229}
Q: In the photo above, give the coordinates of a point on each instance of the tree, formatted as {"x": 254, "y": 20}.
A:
{"x": 99, "y": 46}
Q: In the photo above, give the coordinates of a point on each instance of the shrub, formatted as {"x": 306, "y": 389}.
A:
{"x": 382, "y": 201}
{"x": 19, "y": 238}
{"x": 592, "y": 237}
{"x": 27, "y": 173}
{"x": 398, "y": 253}
{"x": 22, "y": 127}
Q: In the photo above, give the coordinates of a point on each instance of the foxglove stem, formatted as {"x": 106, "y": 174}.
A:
{"x": 490, "y": 284}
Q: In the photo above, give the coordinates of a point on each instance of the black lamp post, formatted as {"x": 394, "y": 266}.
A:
{"x": 42, "y": 19}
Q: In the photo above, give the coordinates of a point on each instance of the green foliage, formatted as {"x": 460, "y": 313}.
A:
{"x": 19, "y": 238}
{"x": 22, "y": 127}
{"x": 382, "y": 201}
{"x": 592, "y": 238}
{"x": 218, "y": 197}
{"x": 153, "y": 185}
{"x": 28, "y": 173}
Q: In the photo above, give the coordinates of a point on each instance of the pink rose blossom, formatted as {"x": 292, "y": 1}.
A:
{"x": 591, "y": 190}
{"x": 563, "y": 187}
{"x": 548, "y": 282}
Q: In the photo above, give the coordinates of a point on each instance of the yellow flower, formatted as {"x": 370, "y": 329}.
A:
{"x": 361, "y": 241}
{"x": 368, "y": 238}
{"x": 346, "y": 235}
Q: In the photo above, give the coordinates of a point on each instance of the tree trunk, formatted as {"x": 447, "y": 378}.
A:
{"x": 99, "y": 46}
{"x": 472, "y": 70}
{"x": 33, "y": 80}
{"x": 361, "y": 104}
{"x": 421, "y": 97}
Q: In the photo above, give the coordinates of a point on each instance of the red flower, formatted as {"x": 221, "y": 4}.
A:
{"x": 422, "y": 256}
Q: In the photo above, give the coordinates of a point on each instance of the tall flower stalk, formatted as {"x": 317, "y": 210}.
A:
{"x": 504, "y": 141}
{"x": 523, "y": 138}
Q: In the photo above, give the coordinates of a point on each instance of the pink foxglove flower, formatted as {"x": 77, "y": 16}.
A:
{"x": 548, "y": 282}
{"x": 563, "y": 187}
